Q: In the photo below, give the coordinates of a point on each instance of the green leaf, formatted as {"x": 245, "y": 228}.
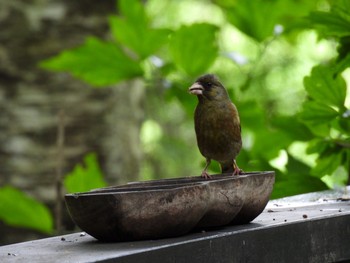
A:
{"x": 343, "y": 52}
{"x": 252, "y": 115}
{"x": 258, "y": 18}
{"x": 19, "y": 210}
{"x": 326, "y": 88}
{"x": 255, "y": 18}
{"x": 315, "y": 113}
{"x": 133, "y": 11}
{"x": 317, "y": 146}
{"x": 297, "y": 180}
{"x": 338, "y": 178}
{"x": 318, "y": 117}
{"x": 268, "y": 143}
{"x": 327, "y": 164}
{"x": 330, "y": 24}
{"x": 344, "y": 123}
{"x": 193, "y": 48}
{"x": 97, "y": 62}
{"x": 342, "y": 64}
{"x": 132, "y": 29}
{"x": 83, "y": 179}
{"x": 142, "y": 40}
{"x": 297, "y": 184}
{"x": 333, "y": 23}
{"x": 296, "y": 130}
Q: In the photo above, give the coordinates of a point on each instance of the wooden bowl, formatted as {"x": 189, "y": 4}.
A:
{"x": 224, "y": 202}
{"x": 233, "y": 199}
{"x": 170, "y": 207}
{"x": 257, "y": 191}
{"x": 138, "y": 213}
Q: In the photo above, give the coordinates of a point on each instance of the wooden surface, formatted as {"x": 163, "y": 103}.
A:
{"x": 307, "y": 228}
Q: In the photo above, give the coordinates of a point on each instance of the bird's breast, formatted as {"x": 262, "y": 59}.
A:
{"x": 218, "y": 131}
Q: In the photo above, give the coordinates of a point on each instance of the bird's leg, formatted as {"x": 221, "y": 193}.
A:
{"x": 236, "y": 169}
{"x": 205, "y": 174}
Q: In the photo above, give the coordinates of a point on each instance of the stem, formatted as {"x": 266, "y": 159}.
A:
{"x": 59, "y": 165}
{"x": 342, "y": 143}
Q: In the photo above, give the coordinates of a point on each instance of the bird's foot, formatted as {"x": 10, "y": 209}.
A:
{"x": 237, "y": 170}
{"x": 205, "y": 175}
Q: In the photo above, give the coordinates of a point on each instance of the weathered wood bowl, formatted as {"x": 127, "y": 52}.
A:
{"x": 169, "y": 207}
{"x": 136, "y": 213}
{"x": 225, "y": 196}
{"x": 258, "y": 187}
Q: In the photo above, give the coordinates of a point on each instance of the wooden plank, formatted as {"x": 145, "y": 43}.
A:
{"x": 285, "y": 232}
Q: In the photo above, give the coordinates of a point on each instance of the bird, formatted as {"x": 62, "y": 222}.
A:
{"x": 217, "y": 125}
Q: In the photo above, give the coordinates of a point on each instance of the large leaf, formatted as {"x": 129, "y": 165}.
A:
{"x": 255, "y": 18}
{"x": 268, "y": 143}
{"x": 327, "y": 164}
{"x": 326, "y": 88}
{"x": 142, "y": 40}
{"x": 83, "y": 179}
{"x": 193, "y": 48}
{"x": 297, "y": 131}
{"x": 331, "y": 156}
{"x": 336, "y": 23}
{"x": 252, "y": 115}
{"x": 315, "y": 113}
{"x": 297, "y": 184}
{"x": 133, "y": 30}
{"x": 317, "y": 146}
{"x": 344, "y": 123}
{"x": 133, "y": 11}
{"x": 297, "y": 180}
{"x": 333, "y": 23}
{"x": 343, "y": 63}
{"x": 318, "y": 118}
{"x": 96, "y": 62}
{"x": 259, "y": 18}
{"x": 343, "y": 53}
{"x": 19, "y": 210}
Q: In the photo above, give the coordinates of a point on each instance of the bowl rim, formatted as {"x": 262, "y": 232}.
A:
{"x": 166, "y": 184}
{"x": 138, "y": 190}
{"x": 214, "y": 177}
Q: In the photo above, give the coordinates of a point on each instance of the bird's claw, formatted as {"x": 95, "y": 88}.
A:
{"x": 237, "y": 172}
{"x": 205, "y": 175}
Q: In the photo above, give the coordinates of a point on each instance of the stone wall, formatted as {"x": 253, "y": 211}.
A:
{"x": 104, "y": 120}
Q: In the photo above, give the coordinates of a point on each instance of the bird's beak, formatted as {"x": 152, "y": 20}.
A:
{"x": 196, "y": 89}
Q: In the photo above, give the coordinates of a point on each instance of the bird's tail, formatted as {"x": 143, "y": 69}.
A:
{"x": 227, "y": 168}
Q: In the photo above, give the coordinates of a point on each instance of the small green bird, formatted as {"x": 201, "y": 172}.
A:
{"x": 217, "y": 124}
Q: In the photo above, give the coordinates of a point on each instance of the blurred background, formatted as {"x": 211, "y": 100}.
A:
{"x": 94, "y": 93}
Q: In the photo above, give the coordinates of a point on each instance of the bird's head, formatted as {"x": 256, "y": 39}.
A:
{"x": 208, "y": 87}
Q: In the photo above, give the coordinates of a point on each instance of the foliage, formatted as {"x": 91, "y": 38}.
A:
{"x": 83, "y": 179}
{"x": 262, "y": 51}
{"x": 268, "y": 92}
{"x": 258, "y": 19}
{"x": 19, "y": 210}
{"x": 188, "y": 54}
{"x": 97, "y": 62}
{"x": 325, "y": 112}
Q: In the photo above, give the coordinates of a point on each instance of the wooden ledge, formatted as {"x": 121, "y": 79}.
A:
{"x": 287, "y": 231}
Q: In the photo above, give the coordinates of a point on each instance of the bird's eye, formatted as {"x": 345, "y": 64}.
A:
{"x": 208, "y": 84}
